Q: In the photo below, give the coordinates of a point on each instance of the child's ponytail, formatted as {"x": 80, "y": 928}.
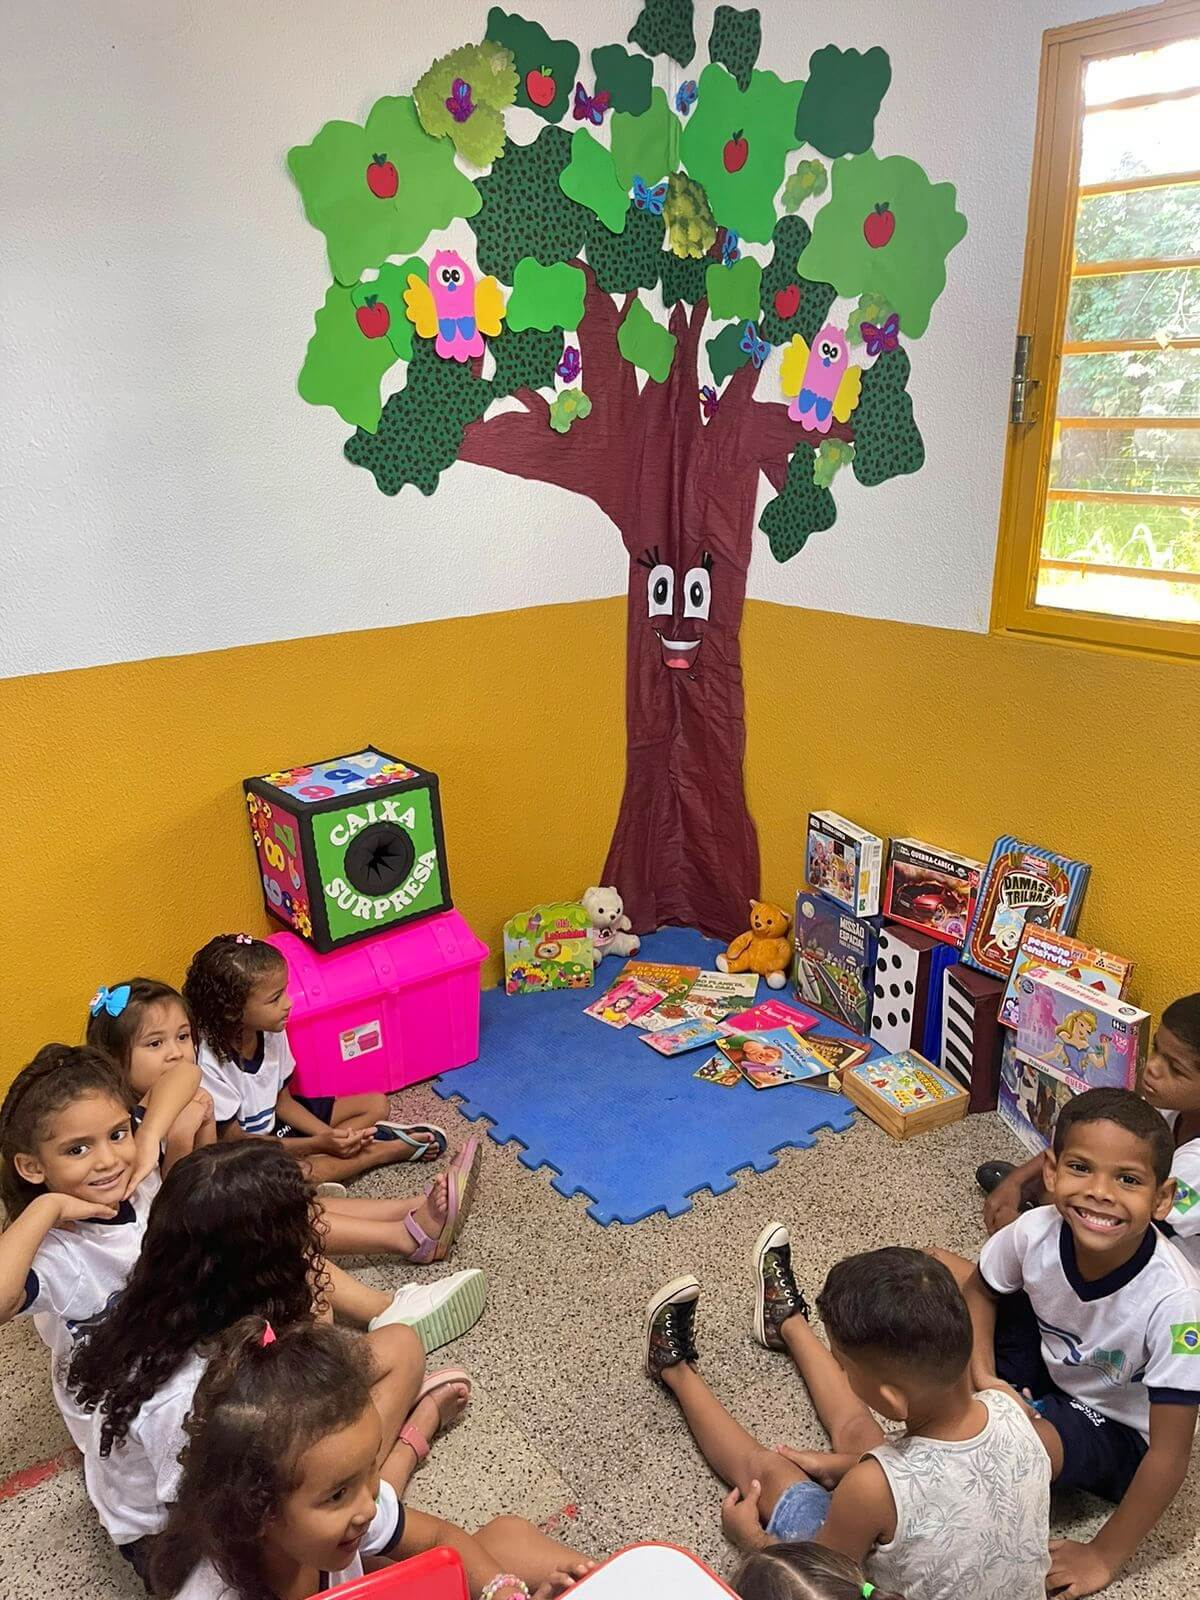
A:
{"x": 264, "y": 1399}
{"x": 804, "y": 1571}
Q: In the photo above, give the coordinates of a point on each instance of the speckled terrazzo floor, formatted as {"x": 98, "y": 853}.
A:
{"x": 562, "y": 1414}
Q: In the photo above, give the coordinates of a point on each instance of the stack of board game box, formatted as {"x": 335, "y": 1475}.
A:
{"x": 905, "y": 1094}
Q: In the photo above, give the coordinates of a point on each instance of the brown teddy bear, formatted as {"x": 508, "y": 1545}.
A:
{"x": 765, "y": 949}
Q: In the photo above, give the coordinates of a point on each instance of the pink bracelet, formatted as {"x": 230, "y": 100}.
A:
{"x": 492, "y": 1589}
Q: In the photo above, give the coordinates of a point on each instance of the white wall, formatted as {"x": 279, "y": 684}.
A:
{"x": 166, "y": 490}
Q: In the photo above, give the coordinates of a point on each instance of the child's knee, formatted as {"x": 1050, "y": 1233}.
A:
{"x": 375, "y": 1106}
{"x": 397, "y": 1350}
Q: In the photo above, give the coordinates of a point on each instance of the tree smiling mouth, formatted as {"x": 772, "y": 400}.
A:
{"x": 678, "y": 653}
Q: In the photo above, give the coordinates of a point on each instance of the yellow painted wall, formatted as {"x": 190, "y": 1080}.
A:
{"x": 958, "y": 737}
{"x": 135, "y": 850}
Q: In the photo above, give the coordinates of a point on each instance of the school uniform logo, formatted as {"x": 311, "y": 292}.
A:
{"x": 1185, "y": 1338}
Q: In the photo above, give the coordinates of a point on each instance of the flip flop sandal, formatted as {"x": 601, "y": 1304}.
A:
{"x": 424, "y": 1140}
{"x": 464, "y": 1171}
{"x": 410, "y": 1434}
{"x": 429, "y": 1248}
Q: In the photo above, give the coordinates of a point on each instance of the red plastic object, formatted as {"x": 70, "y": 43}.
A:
{"x": 436, "y": 1575}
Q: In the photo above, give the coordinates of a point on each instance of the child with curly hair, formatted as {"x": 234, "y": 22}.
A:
{"x": 282, "y": 1492}
{"x": 236, "y": 1231}
{"x": 77, "y": 1178}
{"x": 236, "y": 990}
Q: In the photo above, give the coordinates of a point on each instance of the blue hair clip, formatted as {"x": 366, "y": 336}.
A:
{"x": 113, "y": 1001}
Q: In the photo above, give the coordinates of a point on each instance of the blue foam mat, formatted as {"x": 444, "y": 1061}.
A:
{"x": 632, "y": 1130}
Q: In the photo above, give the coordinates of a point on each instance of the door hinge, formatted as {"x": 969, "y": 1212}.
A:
{"x": 1020, "y": 408}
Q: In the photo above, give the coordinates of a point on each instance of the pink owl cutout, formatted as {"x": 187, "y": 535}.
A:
{"x": 454, "y": 306}
{"x": 824, "y": 388}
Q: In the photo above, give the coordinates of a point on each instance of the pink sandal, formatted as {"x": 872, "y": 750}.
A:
{"x": 410, "y": 1434}
{"x": 462, "y": 1177}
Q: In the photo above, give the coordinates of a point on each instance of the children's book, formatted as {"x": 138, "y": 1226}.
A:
{"x": 626, "y": 1001}
{"x": 548, "y": 947}
{"x": 722, "y": 992}
{"x": 1023, "y": 883}
{"x": 838, "y": 1054}
{"x": 773, "y": 1014}
{"x": 904, "y": 1094}
{"x": 685, "y": 1036}
{"x": 774, "y": 1056}
{"x": 1043, "y": 951}
{"x": 674, "y": 981}
{"x": 717, "y": 1070}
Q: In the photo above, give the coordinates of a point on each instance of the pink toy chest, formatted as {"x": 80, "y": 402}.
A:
{"x": 384, "y": 1012}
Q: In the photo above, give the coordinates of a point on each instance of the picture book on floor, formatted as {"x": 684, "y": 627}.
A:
{"x": 773, "y": 1014}
{"x": 1043, "y": 951}
{"x": 723, "y": 992}
{"x": 838, "y": 1054}
{"x": 717, "y": 1070}
{"x": 1023, "y": 883}
{"x": 623, "y": 1003}
{"x": 686, "y": 1036}
{"x": 772, "y": 1057}
{"x": 674, "y": 980}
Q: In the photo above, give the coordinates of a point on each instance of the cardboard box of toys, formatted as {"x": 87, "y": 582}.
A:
{"x": 904, "y": 1094}
{"x": 1076, "y": 1033}
{"x": 1045, "y": 950}
{"x": 1022, "y": 883}
{"x": 844, "y": 862}
{"x": 931, "y": 890}
{"x": 834, "y": 962}
{"x": 548, "y": 947}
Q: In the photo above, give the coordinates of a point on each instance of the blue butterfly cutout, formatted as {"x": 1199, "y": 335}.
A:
{"x": 590, "y": 107}
{"x": 113, "y": 1001}
{"x": 649, "y": 199}
{"x": 686, "y": 96}
{"x": 731, "y": 248}
{"x": 757, "y": 349}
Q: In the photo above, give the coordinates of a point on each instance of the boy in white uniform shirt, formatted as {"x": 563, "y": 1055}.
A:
{"x": 1084, "y": 1306}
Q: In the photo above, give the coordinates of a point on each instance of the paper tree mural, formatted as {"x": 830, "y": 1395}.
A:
{"x": 626, "y": 303}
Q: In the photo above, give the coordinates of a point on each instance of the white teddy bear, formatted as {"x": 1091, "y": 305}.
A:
{"x": 611, "y": 928}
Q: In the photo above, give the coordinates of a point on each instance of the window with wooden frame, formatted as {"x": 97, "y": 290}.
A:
{"x": 1100, "y": 524}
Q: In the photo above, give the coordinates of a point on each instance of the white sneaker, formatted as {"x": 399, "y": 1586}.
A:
{"x": 437, "y": 1312}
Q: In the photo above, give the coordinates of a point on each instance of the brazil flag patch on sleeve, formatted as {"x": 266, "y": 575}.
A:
{"x": 1185, "y": 1338}
{"x": 1185, "y": 1197}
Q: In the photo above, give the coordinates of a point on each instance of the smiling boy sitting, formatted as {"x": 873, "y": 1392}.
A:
{"x": 1084, "y": 1306}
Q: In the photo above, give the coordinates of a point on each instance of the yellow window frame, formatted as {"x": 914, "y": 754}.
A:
{"x": 1049, "y": 248}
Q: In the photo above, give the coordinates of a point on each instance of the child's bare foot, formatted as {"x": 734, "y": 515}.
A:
{"x": 445, "y": 1398}
{"x": 426, "y": 1224}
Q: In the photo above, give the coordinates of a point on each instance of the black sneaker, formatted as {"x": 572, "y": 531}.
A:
{"x": 670, "y": 1322}
{"x": 992, "y": 1174}
{"x": 777, "y": 1297}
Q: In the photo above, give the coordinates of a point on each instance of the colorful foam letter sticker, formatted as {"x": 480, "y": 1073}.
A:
{"x": 841, "y": 99}
{"x": 454, "y": 307}
{"x": 823, "y": 386}
{"x": 379, "y": 190}
{"x": 645, "y": 343}
{"x": 546, "y": 297}
{"x": 665, "y": 28}
{"x": 887, "y": 229}
{"x": 645, "y": 146}
{"x": 379, "y": 305}
{"x": 734, "y": 291}
{"x": 735, "y": 41}
{"x": 589, "y": 179}
{"x": 736, "y": 143}
{"x": 463, "y": 97}
{"x": 803, "y": 507}
{"x": 626, "y": 78}
{"x": 345, "y": 361}
{"x": 725, "y": 352}
{"x": 546, "y": 68}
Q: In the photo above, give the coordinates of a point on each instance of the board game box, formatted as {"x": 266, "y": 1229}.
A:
{"x": 970, "y": 1034}
{"x": 1023, "y": 883}
{"x": 548, "y": 947}
{"x": 1088, "y": 1039}
{"x": 1044, "y": 950}
{"x": 833, "y": 968}
{"x": 904, "y": 1094}
{"x": 1029, "y": 1098}
{"x": 931, "y": 890}
{"x": 844, "y": 862}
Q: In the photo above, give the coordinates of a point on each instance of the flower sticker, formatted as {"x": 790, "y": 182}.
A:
{"x": 568, "y": 407}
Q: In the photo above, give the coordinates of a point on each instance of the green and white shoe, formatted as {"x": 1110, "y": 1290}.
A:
{"x": 440, "y": 1311}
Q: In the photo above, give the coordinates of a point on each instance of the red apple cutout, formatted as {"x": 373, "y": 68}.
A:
{"x": 879, "y": 226}
{"x": 382, "y": 178}
{"x": 735, "y": 153}
{"x": 540, "y": 86}
{"x": 787, "y": 301}
{"x": 373, "y": 317}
